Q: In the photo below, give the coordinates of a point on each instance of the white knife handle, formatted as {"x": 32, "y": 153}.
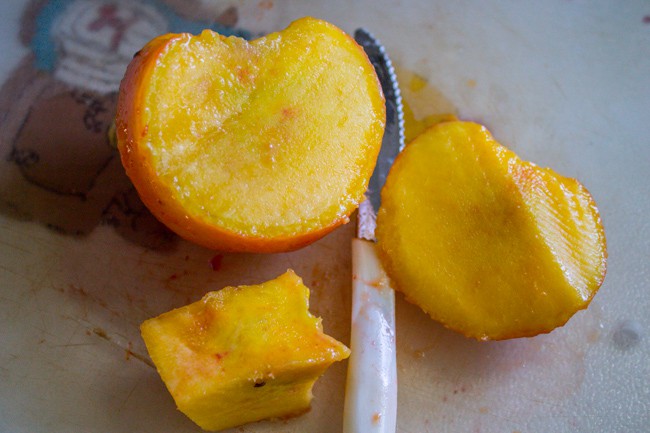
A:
{"x": 371, "y": 389}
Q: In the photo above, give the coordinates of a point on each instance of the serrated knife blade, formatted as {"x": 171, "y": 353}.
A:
{"x": 393, "y": 140}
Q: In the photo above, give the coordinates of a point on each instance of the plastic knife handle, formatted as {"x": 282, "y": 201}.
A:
{"x": 371, "y": 389}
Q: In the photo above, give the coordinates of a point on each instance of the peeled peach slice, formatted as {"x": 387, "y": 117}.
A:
{"x": 489, "y": 245}
{"x": 242, "y": 354}
{"x": 258, "y": 146}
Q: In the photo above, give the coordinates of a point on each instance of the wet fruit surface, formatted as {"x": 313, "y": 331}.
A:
{"x": 251, "y": 146}
{"x": 488, "y": 244}
{"x": 242, "y": 354}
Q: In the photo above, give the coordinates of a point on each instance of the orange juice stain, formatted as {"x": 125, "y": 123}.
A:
{"x": 424, "y": 105}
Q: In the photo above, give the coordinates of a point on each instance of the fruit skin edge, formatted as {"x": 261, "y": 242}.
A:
{"x": 388, "y": 264}
{"x": 129, "y": 129}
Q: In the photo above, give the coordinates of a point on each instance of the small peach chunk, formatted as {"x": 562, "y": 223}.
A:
{"x": 242, "y": 354}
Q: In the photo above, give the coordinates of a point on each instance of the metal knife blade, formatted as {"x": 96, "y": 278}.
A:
{"x": 393, "y": 141}
{"x": 371, "y": 388}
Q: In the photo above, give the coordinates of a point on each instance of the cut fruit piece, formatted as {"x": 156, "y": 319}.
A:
{"x": 259, "y": 146}
{"x": 489, "y": 245}
{"x": 242, "y": 354}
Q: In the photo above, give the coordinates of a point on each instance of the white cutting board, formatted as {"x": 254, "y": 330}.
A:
{"x": 564, "y": 83}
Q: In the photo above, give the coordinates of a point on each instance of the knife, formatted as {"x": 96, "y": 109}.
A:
{"x": 371, "y": 388}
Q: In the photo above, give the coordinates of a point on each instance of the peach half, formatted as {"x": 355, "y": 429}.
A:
{"x": 261, "y": 146}
{"x": 487, "y": 244}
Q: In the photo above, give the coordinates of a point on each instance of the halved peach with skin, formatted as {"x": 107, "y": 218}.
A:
{"x": 259, "y": 146}
{"x": 488, "y": 244}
